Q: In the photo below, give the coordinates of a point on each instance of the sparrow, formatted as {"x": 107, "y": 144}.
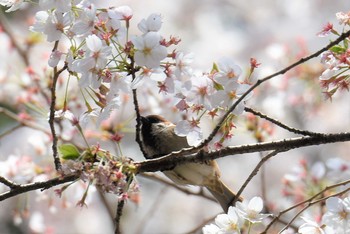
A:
{"x": 159, "y": 139}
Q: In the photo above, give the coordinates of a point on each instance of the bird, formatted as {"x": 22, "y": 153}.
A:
{"x": 159, "y": 139}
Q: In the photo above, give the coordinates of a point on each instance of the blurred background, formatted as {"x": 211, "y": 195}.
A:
{"x": 276, "y": 33}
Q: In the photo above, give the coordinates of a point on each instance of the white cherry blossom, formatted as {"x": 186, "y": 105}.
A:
{"x": 232, "y": 91}
{"x": 12, "y": 4}
{"x": 55, "y": 58}
{"x": 190, "y": 129}
{"x": 152, "y": 24}
{"x": 201, "y": 91}
{"x": 228, "y": 71}
{"x": 183, "y": 64}
{"x": 230, "y": 222}
{"x": 95, "y": 60}
{"x": 211, "y": 229}
{"x": 85, "y": 23}
{"x": 251, "y": 210}
{"x": 56, "y": 24}
{"x": 40, "y": 22}
{"x": 338, "y": 214}
{"x": 311, "y": 227}
{"x": 120, "y": 13}
{"x": 120, "y": 83}
{"x": 59, "y": 5}
{"x": 149, "y": 51}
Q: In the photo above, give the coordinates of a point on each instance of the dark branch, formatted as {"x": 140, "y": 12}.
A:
{"x": 56, "y": 74}
{"x": 260, "y": 81}
{"x": 308, "y": 201}
{"x": 133, "y": 71}
{"x": 280, "y": 124}
{"x": 176, "y": 158}
{"x": 255, "y": 171}
{"x": 23, "y": 188}
{"x": 118, "y": 216}
{"x": 8, "y": 183}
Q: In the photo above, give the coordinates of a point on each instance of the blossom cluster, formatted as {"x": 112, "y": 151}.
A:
{"x": 20, "y": 169}
{"x": 306, "y": 180}
{"x": 309, "y": 180}
{"x": 109, "y": 173}
{"x": 238, "y": 217}
{"x": 337, "y": 59}
{"x": 336, "y": 218}
{"x": 105, "y": 58}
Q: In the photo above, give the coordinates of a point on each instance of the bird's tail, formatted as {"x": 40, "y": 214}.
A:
{"x": 223, "y": 194}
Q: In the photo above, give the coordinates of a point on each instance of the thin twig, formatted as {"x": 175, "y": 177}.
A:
{"x": 200, "y": 226}
{"x": 260, "y": 81}
{"x": 9, "y": 131}
{"x": 105, "y": 203}
{"x": 311, "y": 203}
{"x": 23, "y": 122}
{"x": 182, "y": 189}
{"x": 263, "y": 179}
{"x": 8, "y": 183}
{"x": 255, "y": 171}
{"x": 118, "y": 216}
{"x": 280, "y": 124}
{"x": 133, "y": 71}
{"x": 310, "y": 200}
{"x": 138, "y": 123}
{"x": 152, "y": 209}
{"x": 56, "y": 74}
{"x": 23, "y": 52}
{"x": 23, "y": 188}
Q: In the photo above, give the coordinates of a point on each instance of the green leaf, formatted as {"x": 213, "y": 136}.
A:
{"x": 337, "y": 49}
{"x": 68, "y": 151}
{"x": 214, "y": 68}
{"x": 346, "y": 44}
{"x": 218, "y": 86}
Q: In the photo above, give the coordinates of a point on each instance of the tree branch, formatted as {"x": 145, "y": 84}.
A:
{"x": 133, "y": 71}
{"x": 118, "y": 216}
{"x": 260, "y": 81}
{"x": 7, "y": 29}
{"x": 171, "y": 160}
{"x": 22, "y": 122}
{"x": 23, "y": 188}
{"x": 8, "y": 183}
{"x": 157, "y": 200}
{"x": 200, "y": 226}
{"x": 280, "y": 124}
{"x": 56, "y": 74}
{"x": 255, "y": 172}
{"x": 182, "y": 189}
{"x": 308, "y": 203}
{"x": 311, "y": 203}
